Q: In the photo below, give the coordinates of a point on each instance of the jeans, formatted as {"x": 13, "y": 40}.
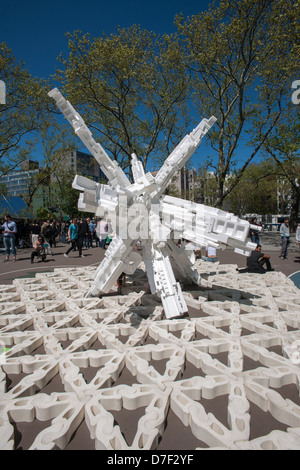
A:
{"x": 80, "y": 245}
{"x": 284, "y": 246}
{"x": 10, "y": 245}
{"x": 88, "y": 242}
{"x": 73, "y": 246}
{"x": 255, "y": 238}
{"x": 212, "y": 260}
{"x": 103, "y": 242}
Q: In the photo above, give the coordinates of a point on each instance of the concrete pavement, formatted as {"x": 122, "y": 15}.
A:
{"x": 93, "y": 256}
{"x": 51, "y": 330}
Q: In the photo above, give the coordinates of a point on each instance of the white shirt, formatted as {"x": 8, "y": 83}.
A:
{"x": 102, "y": 228}
{"x": 211, "y": 251}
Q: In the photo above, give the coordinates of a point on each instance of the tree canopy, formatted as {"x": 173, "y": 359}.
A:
{"x": 241, "y": 55}
{"x": 21, "y": 114}
{"x": 138, "y": 92}
{"x": 131, "y": 89}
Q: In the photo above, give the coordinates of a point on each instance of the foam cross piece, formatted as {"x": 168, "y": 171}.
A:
{"x": 139, "y": 212}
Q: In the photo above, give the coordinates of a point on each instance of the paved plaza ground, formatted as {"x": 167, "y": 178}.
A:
{"x": 93, "y": 256}
{"x": 224, "y": 378}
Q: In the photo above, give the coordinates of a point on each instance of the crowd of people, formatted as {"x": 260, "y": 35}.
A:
{"x": 42, "y": 236}
{"x": 86, "y": 232}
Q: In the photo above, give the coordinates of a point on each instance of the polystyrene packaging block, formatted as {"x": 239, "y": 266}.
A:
{"x": 166, "y": 217}
{"x": 100, "y": 421}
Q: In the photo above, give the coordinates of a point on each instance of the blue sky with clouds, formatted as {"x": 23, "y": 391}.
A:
{"x": 35, "y": 29}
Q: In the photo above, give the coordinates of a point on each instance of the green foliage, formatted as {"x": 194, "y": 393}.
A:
{"x": 55, "y": 143}
{"x": 42, "y": 213}
{"x": 130, "y": 88}
{"x": 256, "y": 192}
{"x": 3, "y": 189}
{"x": 283, "y": 145}
{"x": 236, "y": 60}
{"x": 21, "y": 115}
{"x": 241, "y": 55}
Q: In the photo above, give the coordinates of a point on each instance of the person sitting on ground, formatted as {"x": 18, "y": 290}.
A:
{"x": 256, "y": 261}
{"x": 210, "y": 255}
{"x": 39, "y": 249}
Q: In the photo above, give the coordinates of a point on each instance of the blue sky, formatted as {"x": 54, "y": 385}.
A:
{"x": 35, "y": 29}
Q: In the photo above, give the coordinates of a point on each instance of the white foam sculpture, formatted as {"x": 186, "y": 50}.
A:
{"x": 139, "y": 212}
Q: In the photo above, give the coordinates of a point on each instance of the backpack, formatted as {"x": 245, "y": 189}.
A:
{"x": 48, "y": 232}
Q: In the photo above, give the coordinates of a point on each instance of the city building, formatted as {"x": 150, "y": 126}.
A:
{"x": 183, "y": 184}
{"x": 17, "y": 182}
{"x": 83, "y": 164}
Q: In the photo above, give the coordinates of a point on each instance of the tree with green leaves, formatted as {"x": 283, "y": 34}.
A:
{"x": 21, "y": 114}
{"x": 283, "y": 145}
{"x": 55, "y": 142}
{"x": 256, "y": 192}
{"x": 130, "y": 87}
{"x": 241, "y": 55}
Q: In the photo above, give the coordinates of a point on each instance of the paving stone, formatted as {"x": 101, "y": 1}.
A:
{"x": 67, "y": 360}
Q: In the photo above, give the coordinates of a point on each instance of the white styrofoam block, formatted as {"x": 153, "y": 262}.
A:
{"x": 100, "y": 421}
{"x": 160, "y": 217}
{"x": 263, "y": 306}
{"x": 137, "y": 361}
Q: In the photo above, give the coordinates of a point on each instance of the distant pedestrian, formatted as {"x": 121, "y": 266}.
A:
{"x": 35, "y": 230}
{"x": 46, "y": 231}
{"x": 82, "y": 234}
{"x": 91, "y": 233}
{"x": 102, "y": 231}
{"x": 253, "y": 232}
{"x": 63, "y": 230}
{"x": 298, "y": 235}
{"x": 285, "y": 238}
{"x": 9, "y": 231}
{"x": 53, "y": 234}
{"x": 72, "y": 237}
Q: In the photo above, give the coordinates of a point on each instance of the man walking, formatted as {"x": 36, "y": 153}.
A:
{"x": 82, "y": 234}
{"x": 73, "y": 237}
{"x": 91, "y": 235}
{"x": 285, "y": 238}
{"x": 9, "y": 230}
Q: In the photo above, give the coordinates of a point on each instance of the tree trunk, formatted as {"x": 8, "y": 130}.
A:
{"x": 294, "y": 208}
